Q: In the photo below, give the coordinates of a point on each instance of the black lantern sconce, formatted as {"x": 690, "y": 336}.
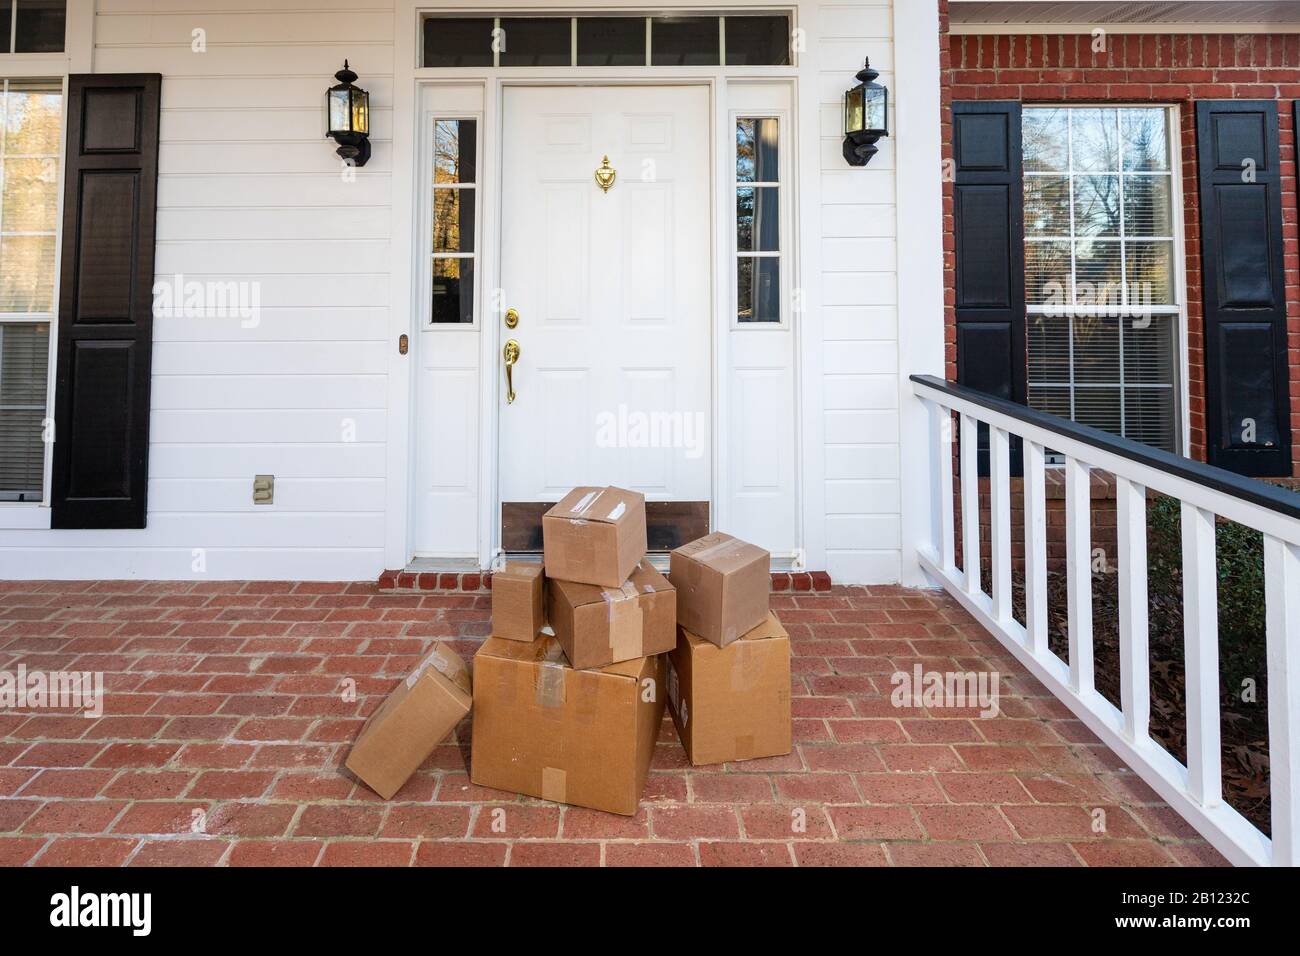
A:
{"x": 347, "y": 112}
{"x": 866, "y": 116}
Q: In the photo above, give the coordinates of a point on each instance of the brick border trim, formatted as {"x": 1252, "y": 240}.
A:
{"x": 480, "y": 582}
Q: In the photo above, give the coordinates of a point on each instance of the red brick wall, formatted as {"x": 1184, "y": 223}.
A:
{"x": 1159, "y": 68}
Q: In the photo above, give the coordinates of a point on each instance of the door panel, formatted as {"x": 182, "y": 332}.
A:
{"x": 612, "y": 290}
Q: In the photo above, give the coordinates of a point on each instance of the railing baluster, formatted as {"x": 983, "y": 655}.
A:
{"x": 1192, "y": 787}
{"x": 1201, "y": 651}
{"x": 1282, "y": 606}
{"x": 1035, "y": 548}
{"x": 970, "y": 503}
{"x": 1000, "y": 521}
{"x": 1078, "y": 567}
{"x": 1135, "y": 666}
{"x": 944, "y": 547}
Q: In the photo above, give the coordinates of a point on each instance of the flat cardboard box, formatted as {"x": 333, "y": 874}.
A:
{"x": 415, "y": 717}
{"x": 543, "y": 729}
{"x": 518, "y": 601}
{"x": 722, "y": 586}
{"x": 598, "y": 626}
{"x": 731, "y": 703}
{"x": 595, "y": 536}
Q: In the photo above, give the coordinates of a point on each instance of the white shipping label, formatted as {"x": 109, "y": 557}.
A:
{"x": 618, "y": 511}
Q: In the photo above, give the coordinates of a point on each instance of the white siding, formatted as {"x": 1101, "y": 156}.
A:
{"x": 859, "y": 308}
{"x": 249, "y": 191}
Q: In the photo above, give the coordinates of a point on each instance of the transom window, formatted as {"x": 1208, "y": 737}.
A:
{"x": 455, "y": 150}
{"x": 1099, "y": 268}
{"x": 622, "y": 40}
{"x": 32, "y": 26}
{"x": 30, "y": 129}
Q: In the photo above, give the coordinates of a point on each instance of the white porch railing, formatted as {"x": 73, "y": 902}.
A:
{"x": 1195, "y": 790}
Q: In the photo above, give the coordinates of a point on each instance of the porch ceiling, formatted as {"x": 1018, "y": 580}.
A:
{"x": 1091, "y": 13}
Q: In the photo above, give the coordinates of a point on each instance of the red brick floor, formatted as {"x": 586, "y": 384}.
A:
{"x": 226, "y": 725}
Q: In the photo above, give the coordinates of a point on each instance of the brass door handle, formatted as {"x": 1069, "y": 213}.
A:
{"x": 511, "y": 354}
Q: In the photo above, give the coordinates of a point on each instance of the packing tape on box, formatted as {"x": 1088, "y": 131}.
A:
{"x": 744, "y": 664}
{"x": 625, "y": 621}
{"x": 434, "y": 660}
{"x": 717, "y": 549}
{"x": 555, "y": 785}
{"x": 584, "y": 503}
{"x": 549, "y": 691}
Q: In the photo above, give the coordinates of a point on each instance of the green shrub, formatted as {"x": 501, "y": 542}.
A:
{"x": 1240, "y": 572}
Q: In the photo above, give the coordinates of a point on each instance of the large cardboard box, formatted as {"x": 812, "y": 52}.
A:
{"x": 415, "y": 717}
{"x": 733, "y": 702}
{"x": 544, "y": 729}
{"x": 598, "y": 626}
{"x": 595, "y": 536}
{"x": 518, "y": 601}
{"x": 722, "y": 586}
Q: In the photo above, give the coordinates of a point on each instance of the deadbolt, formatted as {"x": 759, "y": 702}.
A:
{"x": 512, "y": 318}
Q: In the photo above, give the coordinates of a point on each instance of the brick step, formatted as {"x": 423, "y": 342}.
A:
{"x": 480, "y": 581}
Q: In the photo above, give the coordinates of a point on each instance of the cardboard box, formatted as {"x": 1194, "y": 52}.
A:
{"x": 599, "y": 626}
{"x": 544, "y": 729}
{"x": 595, "y": 536}
{"x": 518, "y": 601}
{"x": 401, "y": 734}
{"x": 722, "y": 586}
{"x": 733, "y": 702}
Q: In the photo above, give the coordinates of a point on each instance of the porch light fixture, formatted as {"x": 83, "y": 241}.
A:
{"x": 347, "y": 111}
{"x": 866, "y": 116}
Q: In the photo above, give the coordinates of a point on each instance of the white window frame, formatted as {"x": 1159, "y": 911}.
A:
{"x": 1178, "y": 311}
{"x": 788, "y": 12}
{"x": 77, "y": 57}
{"x": 432, "y": 254}
{"x": 785, "y": 230}
{"x": 50, "y": 318}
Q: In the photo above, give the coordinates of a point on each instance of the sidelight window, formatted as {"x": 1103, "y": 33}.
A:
{"x": 758, "y": 220}
{"x": 455, "y": 151}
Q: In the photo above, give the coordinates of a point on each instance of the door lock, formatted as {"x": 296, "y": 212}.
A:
{"x": 512, "y": 318}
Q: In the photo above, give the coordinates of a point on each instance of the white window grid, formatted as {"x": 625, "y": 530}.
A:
{"x": 467, "y": 190}
{"x": 1158, "y": 312}
{"x": 9, "y": 319}
{"x": 649, "y": 19}
{"x": 775, "y": 184}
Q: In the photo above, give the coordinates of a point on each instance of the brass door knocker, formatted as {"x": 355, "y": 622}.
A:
{"x": 605, "y": 175}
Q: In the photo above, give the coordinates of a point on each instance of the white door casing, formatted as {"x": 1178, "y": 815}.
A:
{"x": 613, "y": 291}
{"x": 461, "y": 428}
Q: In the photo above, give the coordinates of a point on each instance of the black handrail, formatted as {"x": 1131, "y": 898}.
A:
{"x": 1273, "y": 497}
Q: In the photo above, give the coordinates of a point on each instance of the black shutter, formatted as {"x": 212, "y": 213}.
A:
{"x": 988, "y": 219}
{"x": 1247, "y": 411}
{"x": 101, "y": 405}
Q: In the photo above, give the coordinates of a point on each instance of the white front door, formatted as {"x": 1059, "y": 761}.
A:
{"x": 612, "y": 290}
